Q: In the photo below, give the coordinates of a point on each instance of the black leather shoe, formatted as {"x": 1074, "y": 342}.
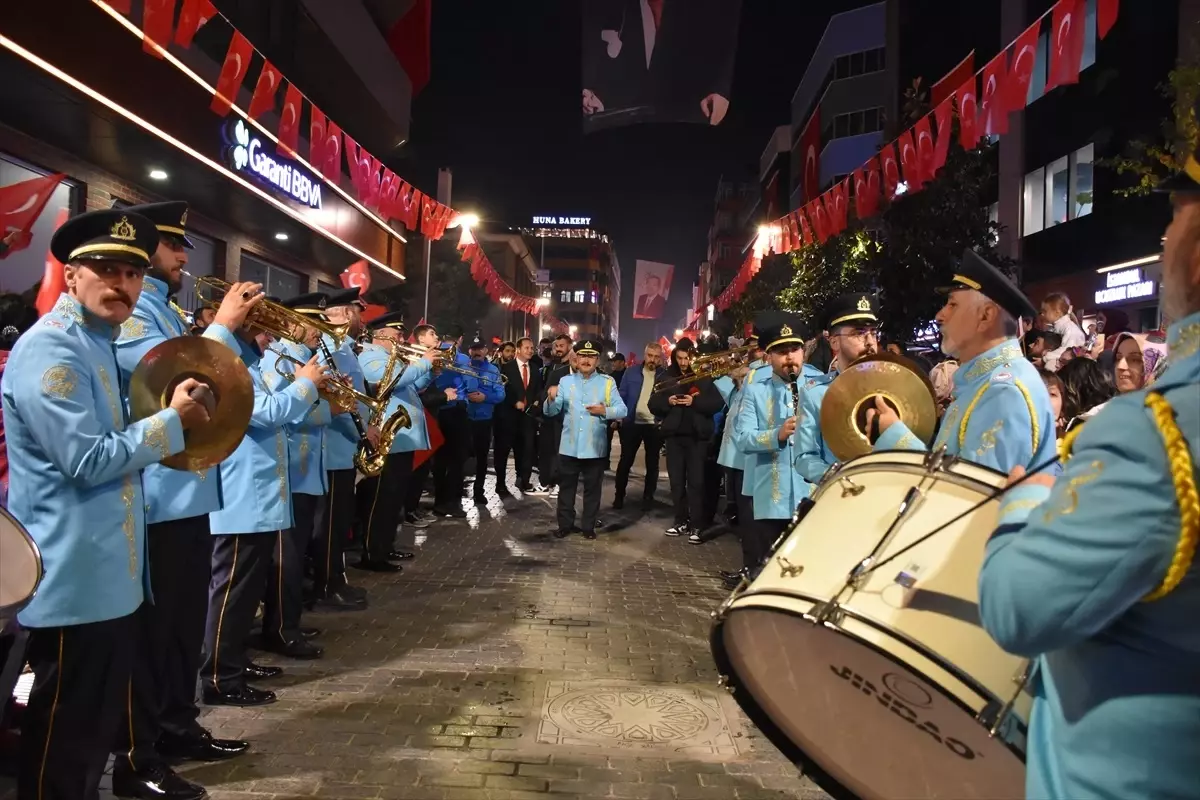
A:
{"x": 337, "y": 601}
{"x": 377, "y": 566}
{"x": 401, "y": 555}
{"x": 310, "y": 633}
{"x": 589, "y": 534}
{"x": 260, "y": 673}
{"x": 560, "y": 534}
{"x": 354, "y": 592}
{"x": 158, "y": 782}
{"x": 201, "y": 747}
{"x": 245, "y": 697}
{"x": 735, "y": 575}
{"x": 296, "y": 648}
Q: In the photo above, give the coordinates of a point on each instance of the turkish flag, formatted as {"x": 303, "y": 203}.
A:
{"x": 364, "y": 173}
{"x": 357, "y": 274}
{"x": 866, "y": 189}
{"x": 993, "y": 112}
{"x": 289, "y": 122}
{"x": 1106, "y": 16}
{"x": 1066, "y": 42}
{"x": 233, "y": 72}
{"x": 941, "y": 116}
{"x": 191, "y": 19}
{"x": 968, "y": 113}
{"x": 926, "y": 150}
{"x": 810, "y": 156}
{"x": 436, "y": 439}
{"x": 20, "y": 206}
{"x": 1020, "y": 74}
{"x": 409, "y": 42}
{"x": 157, "y": 18}
{"x": 265, "y": 89}
{"x": 409, "y": 205}
{"x": 802, "y": 223}
{"x": 820, "y": 220}
{"x": 316, "y": 136}
{"x": 837, "y": 207}
{"x": 331, "y": 167}
{"x": 914, "y": 176}
{"x": 890, "y": 170}
{"x": 54, "y": 279}
{"x": 952, "y": 80}
{"x": 389, "y": 188}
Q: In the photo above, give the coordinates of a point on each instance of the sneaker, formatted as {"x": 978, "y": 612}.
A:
{"x": 694, "y": 537}
{"x": 420, "y": 520}
{"x": 553, "y": 493}
{"x": 677, "y": 530}
{"x": 538, "y": 490}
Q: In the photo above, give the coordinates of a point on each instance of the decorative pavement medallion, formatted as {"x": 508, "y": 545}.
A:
{"x": 682, "y": 719}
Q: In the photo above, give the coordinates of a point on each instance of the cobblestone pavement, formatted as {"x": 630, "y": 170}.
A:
{"x": 504, "y": 664}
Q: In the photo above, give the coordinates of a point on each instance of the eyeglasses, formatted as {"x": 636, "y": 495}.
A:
{"x": 861, "y": 334}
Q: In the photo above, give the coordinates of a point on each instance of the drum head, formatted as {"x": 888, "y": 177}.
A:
{"x": 877, "y": 728}
{"x": 20, "y": 567}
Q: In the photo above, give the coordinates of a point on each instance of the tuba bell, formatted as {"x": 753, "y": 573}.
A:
{"x": 901, "y": 383}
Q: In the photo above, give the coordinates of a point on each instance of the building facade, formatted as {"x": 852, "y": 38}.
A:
{"x": 583, "y": 275}
{"x": 514, "y": 257}
{"x": 734, "y": 207}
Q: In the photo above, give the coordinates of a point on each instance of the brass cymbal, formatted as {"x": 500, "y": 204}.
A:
{"x": 898, "y": 379}
{"x": 211, "y": 363}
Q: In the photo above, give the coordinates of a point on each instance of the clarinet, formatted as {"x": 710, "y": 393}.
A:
{"x": 793, "y": 382}
{"x": 354, "y": 415}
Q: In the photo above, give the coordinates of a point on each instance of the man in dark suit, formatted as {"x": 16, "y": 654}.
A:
{"x": 515, "y": 423}
{"x": 651, "y": 303}
{"x": 658, "y": 60}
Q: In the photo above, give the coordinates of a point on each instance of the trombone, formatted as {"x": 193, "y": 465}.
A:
{"x": 713, "y": 365}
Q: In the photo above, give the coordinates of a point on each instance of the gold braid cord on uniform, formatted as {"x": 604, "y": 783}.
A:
{"x": 1183, "y": 476}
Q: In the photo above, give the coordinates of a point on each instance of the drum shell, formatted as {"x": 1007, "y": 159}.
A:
{"x": 20, "y": 567}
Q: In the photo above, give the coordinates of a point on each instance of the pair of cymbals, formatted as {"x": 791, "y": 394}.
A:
{"x": 208, "y": 361}
{"x": 898, "y": 380}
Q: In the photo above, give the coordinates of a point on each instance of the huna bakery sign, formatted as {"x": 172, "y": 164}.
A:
{"x": 564, "y": 222}
{"x": 249, "y": 155}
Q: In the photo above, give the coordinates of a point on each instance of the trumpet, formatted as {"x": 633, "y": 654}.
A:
{"x": 273, "y": 318}
{"x": 412, "y": 353}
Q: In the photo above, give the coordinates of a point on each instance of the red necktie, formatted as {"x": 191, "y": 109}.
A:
{"x": 525, "y": 374}
{"x": 656, "y": 9}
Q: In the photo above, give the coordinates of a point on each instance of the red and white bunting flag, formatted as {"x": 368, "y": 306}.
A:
{"x": 289, "y": 122}
{"x": 952, "y": 80}
{"x": 806, "y": 234}
{"x": 890, "y": 169}
{"x": 358, "y": 275}
{"x": 191, "y": 19}
{"x": 409, "y": 206}
{"x": 1020, "y": 73}
{"x": 968, "y": 114}
{"x": 233, "y": 72}
{"x": 820, "y": 220}
{"x": 157, "y": 18}
{"x": 316, "y": 136}
{"x": 1106, "y": 16}
{"x": 20, "y": 206}
{"x": 331, "y": 167}
{"x": 265, "y": 89}
{"x": 923, "y": 141}
{"x": 389, "y": 188}
{"x": 1066, "y": 42}
{"x": 942, "y": 115}
{"x": 993, "y": 98}
{"x": 914, "y": 176}
{"x": 810, "y": 153}
{"x": 837, "y": 207}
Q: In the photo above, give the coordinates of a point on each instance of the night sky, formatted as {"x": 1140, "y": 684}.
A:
{"x": 502, "y": 112}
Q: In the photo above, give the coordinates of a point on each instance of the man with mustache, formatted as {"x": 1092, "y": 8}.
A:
{"x": 74, "y": 468}
{"x": 851, "y": 326}
{"x": 161, "y": 710}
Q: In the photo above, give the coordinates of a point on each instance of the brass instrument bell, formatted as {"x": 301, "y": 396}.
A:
{"x": 902, "y": 384}
{"x": 167, "y": 365}
{"x": 273, "y": 318}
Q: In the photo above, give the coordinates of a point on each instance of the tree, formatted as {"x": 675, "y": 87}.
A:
{"x": 456, "y": 303}
{"x": 1150, "y": 163}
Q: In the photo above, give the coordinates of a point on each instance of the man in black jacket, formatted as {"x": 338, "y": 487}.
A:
{"x": 516, "y": 425}
{"x": 686, "y": 412}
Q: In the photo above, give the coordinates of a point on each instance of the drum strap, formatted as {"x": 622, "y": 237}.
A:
{"x": 1183, "y": 476}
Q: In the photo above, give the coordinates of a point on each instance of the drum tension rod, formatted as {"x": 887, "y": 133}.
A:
{"x": 787, "y": 569}
{"x": 850, "y": 488}
{"x": 1020, "y": 679}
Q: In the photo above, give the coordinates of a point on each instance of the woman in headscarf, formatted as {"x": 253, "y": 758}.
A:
{"x": 1136, "y": 358}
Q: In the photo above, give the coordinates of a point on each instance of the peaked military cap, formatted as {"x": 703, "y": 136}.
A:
{"x": 108, "y": 235}
{"x": 975, "y": 272}
{"x": 586, "y": 348}
{"x": 1188, "y": 180}
{"x": 857, "y": 307}
{"x": 345, "y": 297}
{"x": 170, "y": 218}
{"x": 392, "y": 319}
{"x": 786, "y": 330}
{"x": 313, "y": 303}
{"x": 476, "y": 342}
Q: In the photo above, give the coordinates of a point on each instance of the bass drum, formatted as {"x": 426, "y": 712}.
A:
{"x": 889, "y": 686}
{"x": 20, "y": 567}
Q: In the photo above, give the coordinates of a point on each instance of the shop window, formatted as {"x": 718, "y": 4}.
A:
{"x": 1089, "y": 36}
{"x": 595, "y": 297}
{"x": 1041, "y": 60}
{"x": 564, "y": 296}
{"x": 21, "y": 269}
{"x": 579, "y": 295}
{"x": 276, "y": 281}
{"x": 1081, "y": 181}
{"x": 1033, "y": 205}
{"x": 1061, "y": 191}
{"x": 1058, "y": 191}
{"x": 202, "y": 261}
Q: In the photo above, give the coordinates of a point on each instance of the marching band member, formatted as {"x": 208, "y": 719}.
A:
{"x": 482, "y": 397}
{"x": 852, "y": 331}
{"x": 162, "y": 703}
{"x": 256, "y": 520}
{"x": 74, "y": 469}
{"x": 586, "y": 400}
{"x": 381, "y": 498}
{"x": 283, "y": 604}
{"x": 766, "y": 428}
{"x": 335, "y": 521}
{"x": 1000, "y": 416}
{"x": 759, "y": 369}
{"x": 1093, "y": 574}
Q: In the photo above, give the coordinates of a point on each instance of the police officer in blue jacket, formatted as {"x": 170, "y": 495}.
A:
{"x": 255, "y": 521}
{"x": 1000, "y": 416}
{"x": 162, "y": 705}
{"x": 1094, "y": 574}
{"x": 852, "y": 329}
{"x": 75, "y": 462}
{"x": 482, "y": 397}
{"x": 381, "y": 498}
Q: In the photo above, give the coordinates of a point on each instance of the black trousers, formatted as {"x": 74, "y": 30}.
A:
{"x": 380, "y": 501}
{"x": 481, "y": 443}
{"x": 306, "y": 511}
{"x": 685, "y": 467}
{"x": 570, "y": 470}
{"x": 240, "y": 563}
{"x": 416, "y": 485}
{"x": 170, "y": 641}
{"x": 549, "y": 461}
{"x": 515, "y": 432}
{"x": 334, "y": 520}
{"x": 733, "y": 494}
{"x": 751, "y": 532}
{"x": 81, "y": 676}
{"x": 449, "y": 458}
{"x": 633, "y": 436}
{"x": 283, "y": 602}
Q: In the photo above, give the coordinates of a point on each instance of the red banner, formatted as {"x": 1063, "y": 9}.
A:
{"x": 157, "y": 18}
{"x": 191, "y": 19}
{"x": 265, "y": 90}
{"x": 1066, "y": 42}
{"x": 810, "y": 156}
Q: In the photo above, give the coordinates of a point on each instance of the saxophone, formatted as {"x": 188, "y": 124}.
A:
{"x": 369, "y": 461}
